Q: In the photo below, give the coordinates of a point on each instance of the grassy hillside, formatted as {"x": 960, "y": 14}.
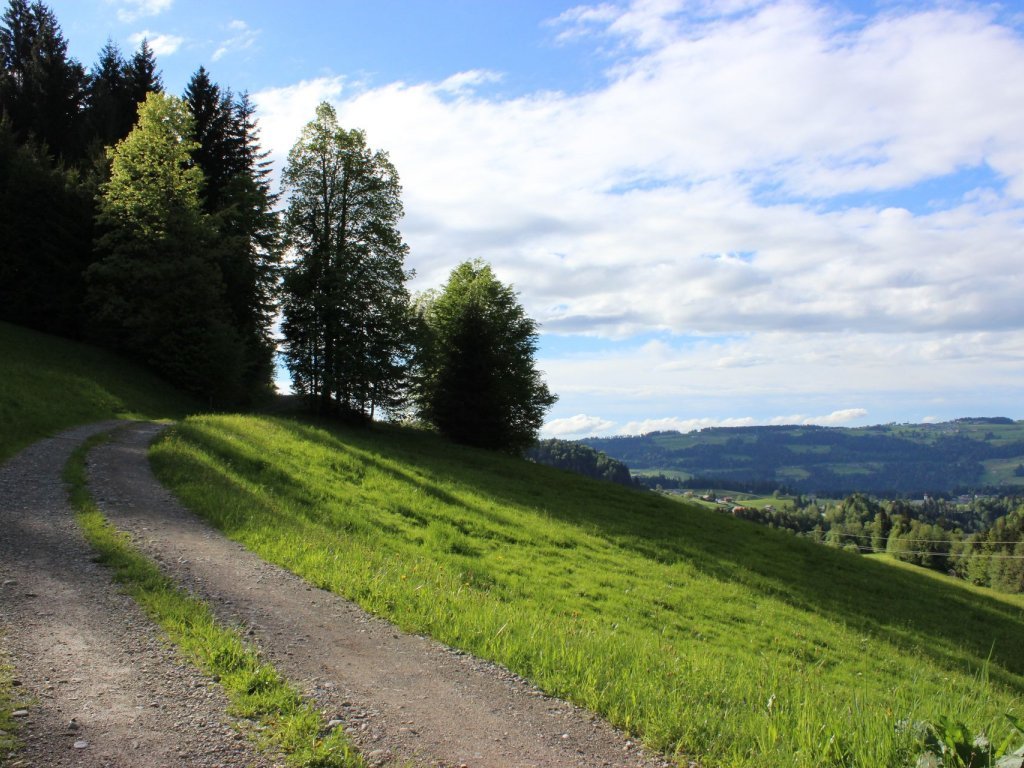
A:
{"x": 710, "y": 637}
{"x": 50, "y": 384}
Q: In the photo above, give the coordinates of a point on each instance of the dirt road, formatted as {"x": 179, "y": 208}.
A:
{"x": 100, "y": 686}
{"x": 404, "y": 699}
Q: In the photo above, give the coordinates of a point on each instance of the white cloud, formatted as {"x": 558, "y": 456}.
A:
{"x": 836, "y": 418}
{"x": 792, "y": 377}
{"x": 578, "y": 425}
{"x": 747, "y": 176}
{"x": 162, "y": 45}
{"x": 682, "y": 425}
{"x": 464, "y": 82}
{"x": 621, "y": 206}
{"x": 132, "y": 10}
{"x": 691, "y": 425}
{"x": 242, "y": 38}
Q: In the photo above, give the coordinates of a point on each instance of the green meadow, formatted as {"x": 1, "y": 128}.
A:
{"x": 708, "y": 637}
{"x": 50, "y": 384}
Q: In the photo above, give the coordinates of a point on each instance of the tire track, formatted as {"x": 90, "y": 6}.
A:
{"x": 103, "y": 688}
{"x": 401, "y": 697}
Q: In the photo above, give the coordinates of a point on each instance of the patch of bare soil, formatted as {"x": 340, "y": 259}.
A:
{"x": 403, "y": 698}
{"x": 100, "y": 687}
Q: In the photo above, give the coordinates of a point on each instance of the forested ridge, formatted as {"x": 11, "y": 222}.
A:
{"x": 890, "y": 460}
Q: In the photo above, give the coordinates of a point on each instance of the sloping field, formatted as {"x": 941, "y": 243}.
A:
{"x": 711, "y": 638}
{"x": 50, "y": 384}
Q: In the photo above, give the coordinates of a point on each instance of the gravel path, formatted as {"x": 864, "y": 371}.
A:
{"x": 401, "y": 697}
{"x": 103, "y": 688}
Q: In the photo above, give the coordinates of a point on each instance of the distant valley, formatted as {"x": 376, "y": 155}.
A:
{"x": 961, "y": 456}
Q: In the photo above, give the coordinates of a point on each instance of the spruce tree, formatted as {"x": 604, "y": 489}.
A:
{"x": 238, "y": 199}
{"x": 45, "y": 239}
{"x": 42, "y": 90}
{"x": 110, "y": 108}
{"x": 212, "y": 113}
{"x": 141, "y": 75}
{"x": 345, "y": 302}
{"x": 476, "y": 379}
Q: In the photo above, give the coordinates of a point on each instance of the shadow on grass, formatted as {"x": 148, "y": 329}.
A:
{"x": 957, "y": 628}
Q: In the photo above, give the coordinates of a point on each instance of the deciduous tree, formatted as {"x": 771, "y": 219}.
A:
{"x": 345, "y": 302}
{"x": 156, "y": 293}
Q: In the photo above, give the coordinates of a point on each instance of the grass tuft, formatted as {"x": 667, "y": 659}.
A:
{"x": 8, "y": 704}
{"x": 256, "y": 691}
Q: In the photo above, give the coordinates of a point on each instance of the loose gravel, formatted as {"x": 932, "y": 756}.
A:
{"x": 98, "y": 685}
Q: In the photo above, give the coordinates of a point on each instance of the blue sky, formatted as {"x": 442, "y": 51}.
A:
{"x": 720, "y": 211}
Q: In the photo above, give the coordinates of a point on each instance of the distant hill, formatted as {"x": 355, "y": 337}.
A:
{"x": 581, "y": 459}
{"x": 967, "y": 454}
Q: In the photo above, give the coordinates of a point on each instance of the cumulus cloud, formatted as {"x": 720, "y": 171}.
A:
{"x": 162, "y": 45}
{"x": 622, "y": 209}
{"x": 578, "y": 425}
{"x": 754, "y": 179}
{"x": 132, "y": 10}
{"x": 464, "y": 82}
{"x": 792, "y": 377}
{"x": 669, "y": 424}
{"x": 242, "y": 38}
{"x": 836, "y": 418}
{"x": 833, "y": 419}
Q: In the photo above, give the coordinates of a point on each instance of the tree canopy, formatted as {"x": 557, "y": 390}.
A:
{"x": 155, "y": 293}
{"x": 345, "y": 303}
{"x": 477, "y": 382}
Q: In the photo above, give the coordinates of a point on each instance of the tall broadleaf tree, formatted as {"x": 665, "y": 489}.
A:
{"x": 156, "y": 293}
{"x": 476, "y": 378}
{"x": 345, "y": 304}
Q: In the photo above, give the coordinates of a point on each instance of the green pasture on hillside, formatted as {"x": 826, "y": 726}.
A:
{"x": 709, "y": 637}
{"x": 50, "y": 384}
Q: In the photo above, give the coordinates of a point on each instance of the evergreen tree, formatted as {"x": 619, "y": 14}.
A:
{"x": 345, "y": 302}
{"x": 241, "y": 206}
{"x": 141, "y": 75}
{"x": 45, "y": 239}
{"x": 217, "y": 151}
{"x": 477, "y": 382}
{"x": 155, "y": 293}
{"x": 110, "y": 109}
{"x": 42, "y": 91}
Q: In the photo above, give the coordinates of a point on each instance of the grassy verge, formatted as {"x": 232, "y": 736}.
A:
{"x": 50, "y": 384}
{"x": 255, "y": 689}
{"x": 709, "y": 637}
{"x": 8, "y": 703}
